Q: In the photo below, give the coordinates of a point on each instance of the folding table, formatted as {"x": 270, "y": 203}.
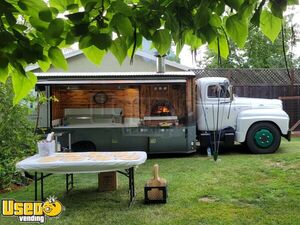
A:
{"x": 82, "y": 162}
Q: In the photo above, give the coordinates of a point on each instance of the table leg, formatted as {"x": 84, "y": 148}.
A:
{"x": 131, "y": 185}
{"x": 71, "y": 182}
{"x": 42, "y": 187}
{"x": 35, "y": 186}
{"x": 67, "y": 183}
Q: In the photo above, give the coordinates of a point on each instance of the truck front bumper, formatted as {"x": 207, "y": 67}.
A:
{"x": 288, "y": 135}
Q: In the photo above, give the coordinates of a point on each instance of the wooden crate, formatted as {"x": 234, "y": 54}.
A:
{"x": 107, "y": 181}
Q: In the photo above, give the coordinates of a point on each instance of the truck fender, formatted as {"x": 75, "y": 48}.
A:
{"x": 247, "y": 118}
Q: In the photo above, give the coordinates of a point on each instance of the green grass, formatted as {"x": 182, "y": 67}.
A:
{"x": 241, "y": 188}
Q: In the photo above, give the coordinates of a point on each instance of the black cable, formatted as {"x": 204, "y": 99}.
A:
{"x": 284, "y": 52}
{"x": 219, "y": 53}
{"x": 134, "y": 45}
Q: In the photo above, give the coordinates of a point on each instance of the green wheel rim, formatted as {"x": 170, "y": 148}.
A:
{"x": 264, "y": 138}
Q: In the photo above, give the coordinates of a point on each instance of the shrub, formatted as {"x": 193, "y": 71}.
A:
{"x": 17, "y": 138}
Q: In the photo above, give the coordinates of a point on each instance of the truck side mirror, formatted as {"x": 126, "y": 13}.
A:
{"x": 230, "y": 90}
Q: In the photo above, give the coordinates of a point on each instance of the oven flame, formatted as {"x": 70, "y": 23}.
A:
{"x": 162, "y": 109}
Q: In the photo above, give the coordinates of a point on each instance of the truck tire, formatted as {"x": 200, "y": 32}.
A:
{"x": 263, "y": 138}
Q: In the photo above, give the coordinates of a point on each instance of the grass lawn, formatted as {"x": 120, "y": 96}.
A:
{"x": 241, "y": 188}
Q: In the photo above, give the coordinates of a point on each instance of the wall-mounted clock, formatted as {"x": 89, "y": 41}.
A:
{"x": 100, "y": 97}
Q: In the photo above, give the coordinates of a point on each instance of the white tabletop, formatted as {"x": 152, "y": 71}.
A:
{"x": 82, "y": 162}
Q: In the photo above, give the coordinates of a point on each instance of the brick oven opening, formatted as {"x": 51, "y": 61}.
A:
{"x": 162, "y": 108}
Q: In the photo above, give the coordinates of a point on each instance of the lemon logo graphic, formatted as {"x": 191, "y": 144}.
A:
{"x": 52, "y": 207}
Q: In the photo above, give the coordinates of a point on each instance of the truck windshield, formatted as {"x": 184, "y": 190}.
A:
{"x": 216, "y": 91}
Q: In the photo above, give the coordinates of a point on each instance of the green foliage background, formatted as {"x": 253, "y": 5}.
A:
{"x": 258, "y": 52}
{"x": 17, "y": 138}
{"x": 33, "y": 31}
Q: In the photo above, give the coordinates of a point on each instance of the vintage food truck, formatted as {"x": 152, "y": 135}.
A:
{"x": 156, "y": 112}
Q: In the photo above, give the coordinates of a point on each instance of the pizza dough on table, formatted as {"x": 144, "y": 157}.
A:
{"x": 50, "y": 159}
{"x": 125, "y": 156}
{"x": 104, "y": 157}
{"x": 92, "y": 156}
{"x": 74, "y": 158}
{"x": 129, "y": 157}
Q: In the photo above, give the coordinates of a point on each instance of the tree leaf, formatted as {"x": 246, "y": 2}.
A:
{"x": 270, "y": 25}
{"x": 256, "y": 16}
{"x": 6, "y": 38}
{"x": 235, "y": 4}
{"x": 90, "y": 6}
{"x": 85, "y": 42}
{"x": 119, "y": 49}
{"x": 208, "y": 32}
{"x": 72, "y": 7}
{"x": 32, "y": 7}
{"x": 223, "y": 45}
{"x": 179, "y": 47}
{"x": 139, "y": 42}
{"x": 57, "y": 58}
{"x": 220, "y": 8}
{"x": 246, "y": 9}
{"x": 202, "y": 17}
{"x": 162, "y": 41}
{"x": 192, "y": 40}
{"x": 22, "y": 84}
{"x": 121, "y": 24}
{"x": 56, "y": 28}
{"x": 45, "y": 15}
{"x": 121, "y": 7}
{"x": 44, "y": 64}
{"x": 277, "y": 7}
{"x": 237, "y": 29}
{"x": 215, "y": 20}
{"x": 76, "y": 18}
{"x": 70, "y": 38}
{"x": 80, "y": 29}
{"x": 171, "y": 22}
{"x": 101, "y": 41}
{"x": 3, "y": 61}
{"x": 38, "y": 24}
{"x": 10, "y": 18}
{"x": 3, "y": 74}
{"x": 293, "y": 2}
{"x": 61, "y": 5}
{"x": 94, "y": 54}
{"x": 84, "y": 3}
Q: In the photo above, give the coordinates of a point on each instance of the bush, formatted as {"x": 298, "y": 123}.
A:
{"x": 17, "y": 137}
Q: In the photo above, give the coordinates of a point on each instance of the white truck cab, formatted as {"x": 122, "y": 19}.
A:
{"x": 223, "y": 117}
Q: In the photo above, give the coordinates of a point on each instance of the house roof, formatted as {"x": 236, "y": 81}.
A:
{"x": 72, "y": 53}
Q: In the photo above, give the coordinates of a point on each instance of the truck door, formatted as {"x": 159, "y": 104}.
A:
{"x": 218, "y": 108}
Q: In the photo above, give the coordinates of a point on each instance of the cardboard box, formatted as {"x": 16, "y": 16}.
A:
{"x": 107, "y": 181}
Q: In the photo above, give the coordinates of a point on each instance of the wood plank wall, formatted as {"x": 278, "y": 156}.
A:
{"x": 127, "y": 99}
{"x": 135, "y": 101}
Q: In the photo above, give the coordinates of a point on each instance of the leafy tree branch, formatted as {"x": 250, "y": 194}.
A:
{"x": 118, "y": 26}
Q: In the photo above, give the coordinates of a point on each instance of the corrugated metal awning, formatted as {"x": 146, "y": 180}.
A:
{"x": 115, "y": 75}
{"x": 91, "y": 82}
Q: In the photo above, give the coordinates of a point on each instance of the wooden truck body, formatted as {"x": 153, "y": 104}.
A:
{"x": 121, "y": 111}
